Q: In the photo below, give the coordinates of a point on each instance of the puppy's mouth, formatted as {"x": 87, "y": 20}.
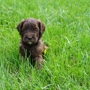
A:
{"x": 30, "y": 43}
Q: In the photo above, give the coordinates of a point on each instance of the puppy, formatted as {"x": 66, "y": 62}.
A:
{"x": 31, "y": 45}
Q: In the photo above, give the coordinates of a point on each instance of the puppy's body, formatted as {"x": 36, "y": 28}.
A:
{"x": 31, "y": 45}
{"x": 34, "y": 52}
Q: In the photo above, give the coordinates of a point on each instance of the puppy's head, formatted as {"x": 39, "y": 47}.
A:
{"x": 31, "y": 30}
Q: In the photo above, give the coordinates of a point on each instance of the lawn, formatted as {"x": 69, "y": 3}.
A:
{"x": 66, "y": 63}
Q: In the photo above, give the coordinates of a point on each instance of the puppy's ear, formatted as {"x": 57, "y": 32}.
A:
{"x": 41, "y": 28}
{"x": 20, "y": 25}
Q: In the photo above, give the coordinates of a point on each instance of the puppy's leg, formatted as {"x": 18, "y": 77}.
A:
{"x": 39, "y": 60}
{"x": 22, "y": 53}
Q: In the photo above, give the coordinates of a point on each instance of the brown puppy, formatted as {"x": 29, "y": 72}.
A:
{"x": 31, "y": 44}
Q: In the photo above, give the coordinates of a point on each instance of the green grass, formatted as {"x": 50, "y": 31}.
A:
{"x": 67, "y": 62}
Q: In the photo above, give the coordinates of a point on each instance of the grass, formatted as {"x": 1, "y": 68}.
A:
{"x": 66, "y": 63}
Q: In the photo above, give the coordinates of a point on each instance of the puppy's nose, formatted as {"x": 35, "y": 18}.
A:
{"x": 29, "y": 38}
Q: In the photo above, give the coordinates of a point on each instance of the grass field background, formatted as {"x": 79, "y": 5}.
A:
{"x": 66, "y": 63}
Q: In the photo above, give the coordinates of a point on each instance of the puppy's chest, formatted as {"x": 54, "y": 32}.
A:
{"x": 33, "y": 51}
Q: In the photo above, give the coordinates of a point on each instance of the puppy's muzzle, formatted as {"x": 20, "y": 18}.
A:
{"x": 30, "y": 38}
